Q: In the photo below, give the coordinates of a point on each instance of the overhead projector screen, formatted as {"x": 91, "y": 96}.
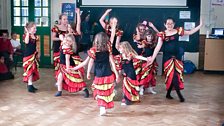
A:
{"x": 134, "y": 2}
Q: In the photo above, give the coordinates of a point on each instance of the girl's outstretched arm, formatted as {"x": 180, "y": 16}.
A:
{"x": 78, "y": 23}
{"x": 192, "y": 31}
{"x": 84, "y": 63}
{"x": 137, "y": 36}
{"x": 67, "y": 61}
{"x": 113, "y": 32}
{"x": 156, "y": 51}
{"x": 26, "y": 40}
{"x": 118, "y": 39}
{"x": 90, "y": 65}
{"x": 114, "y": 68}
{"x": 103, "y": 24}
{"x": 140, "y": 57}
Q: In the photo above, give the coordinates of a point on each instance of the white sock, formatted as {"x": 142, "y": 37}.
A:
{"x": 102, "y": 111}
{"x": 30, "y": 80}
{"x": 141, "y": 92}
{"x": 123, "y": 104}
{"x": 151, "y": 90}
{"x": 30, "y": 83}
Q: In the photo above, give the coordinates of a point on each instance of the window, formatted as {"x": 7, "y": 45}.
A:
{"x": 41, "y": 13}
{"x": 20, "y": 12}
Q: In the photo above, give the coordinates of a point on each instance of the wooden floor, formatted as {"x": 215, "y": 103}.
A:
{"x": 204, "y": 105}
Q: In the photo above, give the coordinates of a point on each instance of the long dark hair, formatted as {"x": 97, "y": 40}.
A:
{"x": 169, "y": 18}
{"x": 153, "y": 35}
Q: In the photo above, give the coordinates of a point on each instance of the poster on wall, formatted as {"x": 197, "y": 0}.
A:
{"x": 185, "y": 15}
{"x": 189, "y": 25}
{"x": 218, "y": 2}
{"x": 69, "y": 10}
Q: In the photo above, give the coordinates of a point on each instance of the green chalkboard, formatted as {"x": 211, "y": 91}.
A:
{"x": 128, "y": 18}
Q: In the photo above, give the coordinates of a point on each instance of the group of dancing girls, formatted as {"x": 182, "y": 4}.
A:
{"x": 109, "y": 56}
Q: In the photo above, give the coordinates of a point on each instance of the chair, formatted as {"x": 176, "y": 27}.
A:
{"x": 17, "y": 56}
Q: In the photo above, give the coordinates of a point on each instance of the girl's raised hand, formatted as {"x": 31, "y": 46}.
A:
{"x": 137, "y": 30}
{"x": 140, "y": 46}
{"x": 68, "y": 70}
{"x": 108, "y": 10}
{"x": 149, "y": 61}
{"x": 26, "y": 30}
{"x": 77, "y": 10}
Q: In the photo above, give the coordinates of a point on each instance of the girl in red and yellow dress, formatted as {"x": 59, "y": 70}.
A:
{"x": 148, "y": 73}
{"x": 173, "y": 66}
{"x": 130, "y": 82}
{"x": 70, "y": 80}
{"x": 137, "y": 42}
{"x": 31, "y": 56}
{"x": 138, "y": 45}
{"x": 57, "y": 30}
{"x": 75, "y": 30}
{"x": 118, "y": 33}
{"x": 103, "y": 83}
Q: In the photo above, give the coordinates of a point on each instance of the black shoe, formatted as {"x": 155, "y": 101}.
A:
{"x": 169, "y": 97}
{"x": 182, "y": 99}
{"x": 86, "y": 91}
{"x": 59, "y": 93}
{"x": 180, "y": 96}
{"x": 127, "y": 101}
{"x": 30, "y": 89}
{"x": 34, "y": 88}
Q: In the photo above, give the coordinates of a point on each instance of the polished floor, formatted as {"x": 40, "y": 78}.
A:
{"x": 204, "y": 105}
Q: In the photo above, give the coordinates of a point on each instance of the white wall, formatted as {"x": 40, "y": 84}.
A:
{"x": 5, "y": 14}
{"x": 213, "y": 16}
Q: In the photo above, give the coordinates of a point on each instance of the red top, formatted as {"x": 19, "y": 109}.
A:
{"x": 3, "y": 68}
{"x": 6, "y": 46}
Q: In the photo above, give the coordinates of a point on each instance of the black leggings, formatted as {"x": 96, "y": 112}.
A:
{"x": 175, "y": 84}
